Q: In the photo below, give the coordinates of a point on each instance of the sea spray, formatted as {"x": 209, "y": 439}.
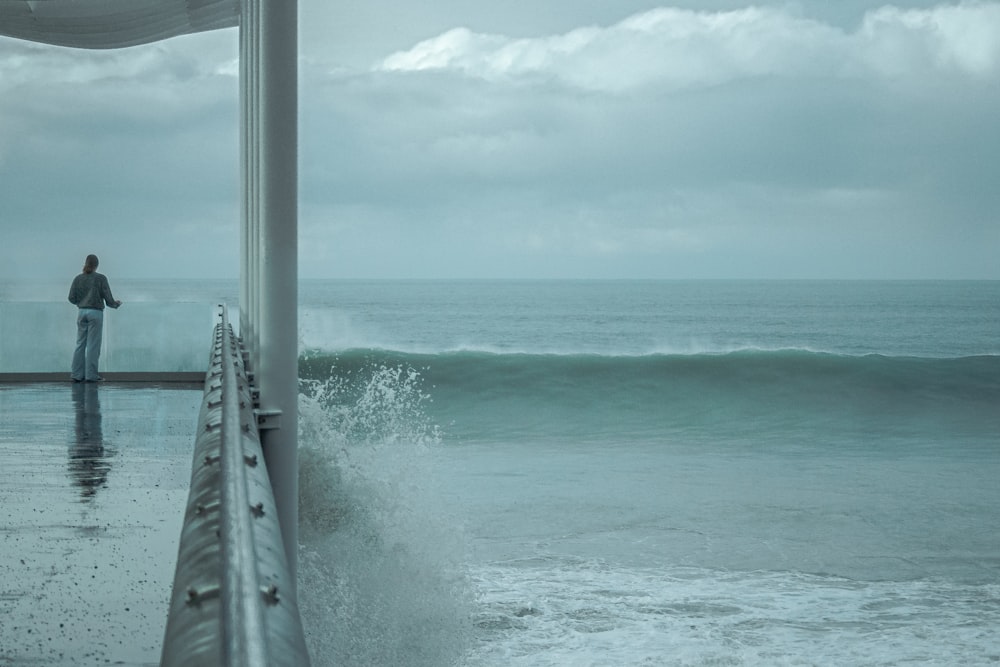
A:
{"x": 381, "y": 577}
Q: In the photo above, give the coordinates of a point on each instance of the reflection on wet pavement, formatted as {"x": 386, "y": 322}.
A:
{"x": 89, "y": 458}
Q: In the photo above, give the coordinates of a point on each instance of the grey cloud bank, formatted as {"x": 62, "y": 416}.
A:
{"x": 767, "y": 141}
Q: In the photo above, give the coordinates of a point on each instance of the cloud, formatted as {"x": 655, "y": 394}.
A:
{"x": 961, "y": 39}
{"x": 678, "y": 48}
{"x": 678, "y": 139}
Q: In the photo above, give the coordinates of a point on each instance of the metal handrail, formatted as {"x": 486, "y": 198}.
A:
{"x": 242, "y": 610}
{"x": 233, "y": 601}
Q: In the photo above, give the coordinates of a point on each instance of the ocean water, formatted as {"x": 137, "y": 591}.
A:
{"x": 651, "y": 473}
{"x": 623, "y": 473}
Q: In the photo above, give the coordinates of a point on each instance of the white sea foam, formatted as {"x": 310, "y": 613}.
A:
{"x": 558, "y": 612}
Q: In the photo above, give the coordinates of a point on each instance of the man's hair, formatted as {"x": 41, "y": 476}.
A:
{"x": 90, "y": 264}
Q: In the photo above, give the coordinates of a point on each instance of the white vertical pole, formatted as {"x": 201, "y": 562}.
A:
{"x": 277, "y": 373}
{"x": 251, "y": 9}
{"x": 245, "y": 166}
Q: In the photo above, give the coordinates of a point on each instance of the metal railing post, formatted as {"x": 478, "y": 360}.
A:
{"x": 277, "y": 370}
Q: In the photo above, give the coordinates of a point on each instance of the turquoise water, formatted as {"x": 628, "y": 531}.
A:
{"x": 652, "y": 473}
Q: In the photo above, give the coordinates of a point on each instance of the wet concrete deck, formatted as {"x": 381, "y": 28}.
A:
{"x": 93, "y": 483}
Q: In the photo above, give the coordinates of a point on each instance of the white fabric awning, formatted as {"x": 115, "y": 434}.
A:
{"x": 112, "y": 24}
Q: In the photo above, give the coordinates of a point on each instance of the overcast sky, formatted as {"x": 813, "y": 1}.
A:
{"x": 532, "y": 139}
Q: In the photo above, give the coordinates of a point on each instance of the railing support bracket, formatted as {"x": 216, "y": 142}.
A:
{"x": 268, "y": 419}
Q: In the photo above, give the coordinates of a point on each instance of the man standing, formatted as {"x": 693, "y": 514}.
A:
{"x": 89, "y": 292}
